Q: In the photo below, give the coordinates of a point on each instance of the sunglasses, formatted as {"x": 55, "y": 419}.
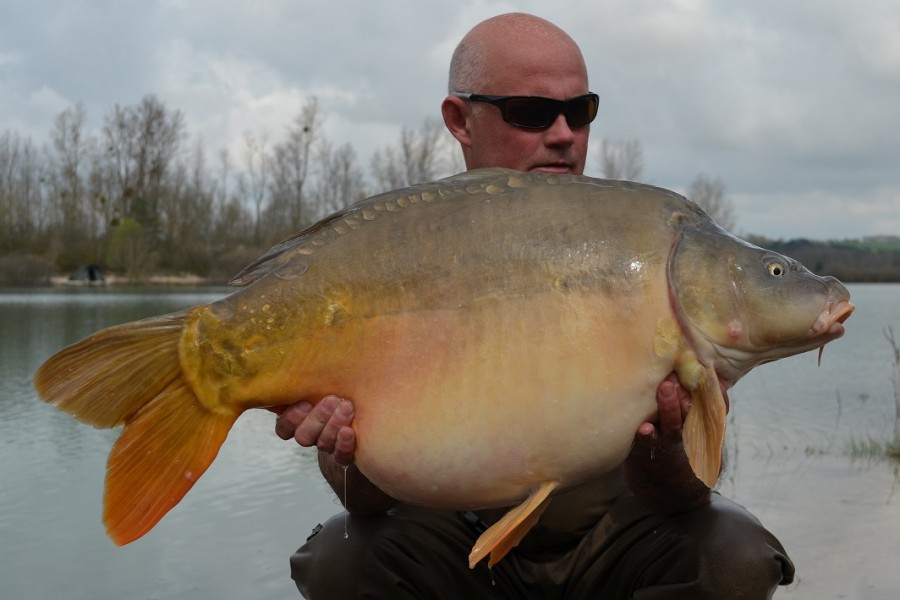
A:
{"x": 537, "y": 112}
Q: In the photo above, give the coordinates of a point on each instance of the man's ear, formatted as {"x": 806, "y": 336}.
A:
{"x": 456, "y": 112}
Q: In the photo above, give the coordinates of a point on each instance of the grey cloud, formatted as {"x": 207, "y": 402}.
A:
{"x": 785, "y": 101}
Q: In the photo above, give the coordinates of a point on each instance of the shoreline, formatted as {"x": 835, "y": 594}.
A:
{"x": 116, "y": 280}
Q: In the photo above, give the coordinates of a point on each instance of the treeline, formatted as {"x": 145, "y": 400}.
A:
{"x": 137, "y": 197}
{"x": 869, "y": 260}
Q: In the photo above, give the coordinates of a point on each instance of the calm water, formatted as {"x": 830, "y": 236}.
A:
{"x": 232, "y": 535}
{"x": 229, "y": 538}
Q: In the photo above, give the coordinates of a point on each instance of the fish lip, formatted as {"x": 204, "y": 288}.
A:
{"x": 830, "y": 321}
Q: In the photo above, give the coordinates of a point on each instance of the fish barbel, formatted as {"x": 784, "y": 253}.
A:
{"x": 501, "y": 335}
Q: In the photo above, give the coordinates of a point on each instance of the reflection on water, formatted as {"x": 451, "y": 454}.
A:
{"x": 232, "y": 535}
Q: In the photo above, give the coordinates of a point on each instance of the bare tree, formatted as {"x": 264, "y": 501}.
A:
{"x": 414, "y": 159}
{"x": 141, "y": 144}
{"x": 231, "y": 220}
{"x": 160, "y": 136}
{"x": 184, "y": 212}
{"x": 119, "y": 141}
{"x": 709, "y": 193}
{"x": 621, "y": 160}
{"x": 23, "y": 209}
{"x": 341, "y": 181}
{"x": 101, "y": 190}
{"x": 253, "y": 183}
{"x": 225, "y": 171}
{"x": 9, "y": 206}
{"x": 68, "y": 163}
{"x": 291, "y": 166}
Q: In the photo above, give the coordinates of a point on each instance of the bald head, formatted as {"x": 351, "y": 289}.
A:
{"x": 504, "y": 42}
{"x": 516, "y": 55}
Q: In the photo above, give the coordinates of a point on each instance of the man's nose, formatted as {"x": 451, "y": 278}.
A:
{"x": 559, "y": 132}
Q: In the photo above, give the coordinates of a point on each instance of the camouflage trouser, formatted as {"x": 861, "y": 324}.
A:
{"x": 719, "y": 551}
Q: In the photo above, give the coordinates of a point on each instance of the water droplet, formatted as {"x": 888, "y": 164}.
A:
{"x": 346, "y": 513}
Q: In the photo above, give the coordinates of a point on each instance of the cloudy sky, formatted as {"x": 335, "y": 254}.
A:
{"x": 795, "y": 105}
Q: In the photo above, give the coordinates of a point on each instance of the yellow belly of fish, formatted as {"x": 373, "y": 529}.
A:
{"x": 475, "y": 406}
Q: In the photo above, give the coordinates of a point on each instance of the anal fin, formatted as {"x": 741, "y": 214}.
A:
{"x": 506, "y": 533}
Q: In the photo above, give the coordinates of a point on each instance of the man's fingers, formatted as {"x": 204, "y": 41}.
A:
{"x": 345, "y": 446}
{"x": 286, "y": 423}
{"x": 672, "y": 407}
{"x": 309, "y": 428}
{"x": 646, "y": 433}
{"x": 325, "y": 426}
{"x": 339, "y": 417}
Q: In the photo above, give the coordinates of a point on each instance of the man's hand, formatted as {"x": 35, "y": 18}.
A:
{"x": 657, "y": 469}
{"x": 327, "y": 426}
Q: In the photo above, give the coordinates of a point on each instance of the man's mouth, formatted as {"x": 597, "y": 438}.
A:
{"x": 558, "y": 168}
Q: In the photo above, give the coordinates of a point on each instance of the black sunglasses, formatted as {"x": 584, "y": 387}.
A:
{"x": 537, "y": 112}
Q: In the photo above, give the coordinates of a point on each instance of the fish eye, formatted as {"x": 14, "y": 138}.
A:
{"x": 776, "y": 269}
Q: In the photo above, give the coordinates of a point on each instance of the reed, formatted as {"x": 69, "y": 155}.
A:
{"x": 889, "y": 336}
{"x": 871, "y": 447}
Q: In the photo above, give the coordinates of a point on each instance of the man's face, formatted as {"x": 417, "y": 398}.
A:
{"x": 554, "y": 72}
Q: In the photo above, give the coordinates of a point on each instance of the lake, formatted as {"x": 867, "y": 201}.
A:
{"x": 789, "y": 429}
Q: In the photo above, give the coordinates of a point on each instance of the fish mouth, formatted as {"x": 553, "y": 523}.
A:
{"x": 830, "y": 322}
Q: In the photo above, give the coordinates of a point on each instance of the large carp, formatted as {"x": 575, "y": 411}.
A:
{"x": 501, "y": 335}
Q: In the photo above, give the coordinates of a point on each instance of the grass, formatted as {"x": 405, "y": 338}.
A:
{"x": 871, "y": 448}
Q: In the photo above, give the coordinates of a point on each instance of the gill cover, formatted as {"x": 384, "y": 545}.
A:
{"x": 740, "y": 305}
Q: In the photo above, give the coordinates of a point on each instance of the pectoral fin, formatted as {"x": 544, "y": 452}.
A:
{"x": 506, "y": 533}
{"x": 704, "y": 428}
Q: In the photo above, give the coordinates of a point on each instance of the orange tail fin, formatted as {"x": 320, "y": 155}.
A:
{"x": 131, "y": 375}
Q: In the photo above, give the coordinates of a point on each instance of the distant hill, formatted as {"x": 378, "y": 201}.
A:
{"x": 870, "y": 259}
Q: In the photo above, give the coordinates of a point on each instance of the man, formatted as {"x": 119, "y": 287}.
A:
{"x": 660, "y": 536}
